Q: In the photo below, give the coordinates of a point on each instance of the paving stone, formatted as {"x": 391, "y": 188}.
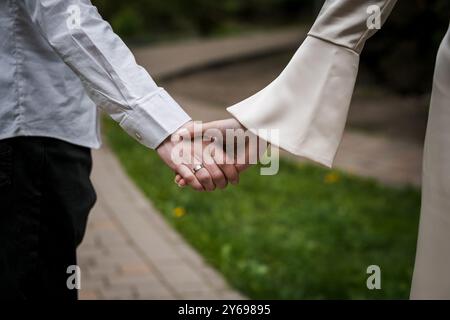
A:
{"x": 215, "y": 279}
{"x": 119, "y": 293}
{"x": 201, "y": 295}
{"x": 134, "y": 280}
{"x": 154, "y": 293}
{"x": 184, "y": 279}
{"x": 92, "y": 283}
{"x": 190, "y": 255}
{"x": 135, "y": 269}
{"x": 231, "y": 295}
{"x": 88, "y": 295}
{"x": 165, "y": 60}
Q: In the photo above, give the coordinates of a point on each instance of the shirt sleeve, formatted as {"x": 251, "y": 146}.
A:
{"x": 107, "y": 68}
{"x": 308, "y": 103}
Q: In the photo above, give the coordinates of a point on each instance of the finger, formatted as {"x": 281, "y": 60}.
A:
{"x": 251, "y": 154}
{"x": 189, "y": 177}
{"x": 215, "y": 172}
{"x": 205, "y": 179}
{"x": 180, "y": 181}
{"x": 203, "y": 176}
{"x": 242, "y": 167}
{"x": 226, "y": 166}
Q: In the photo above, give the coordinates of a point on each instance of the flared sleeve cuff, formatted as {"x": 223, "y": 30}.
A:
{"x": 307, "y": 104}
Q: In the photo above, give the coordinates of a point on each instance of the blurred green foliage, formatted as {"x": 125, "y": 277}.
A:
{"x": 400, "y": 57}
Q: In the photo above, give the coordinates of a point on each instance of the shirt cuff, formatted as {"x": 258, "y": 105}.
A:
{"x": 307, "y": 104}
{"x": 154, "y": 118}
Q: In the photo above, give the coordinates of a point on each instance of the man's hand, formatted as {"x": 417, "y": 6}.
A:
{"x": 165, "y": 151}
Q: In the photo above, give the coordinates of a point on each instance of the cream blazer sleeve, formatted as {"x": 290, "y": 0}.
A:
{"x": 308, "y": 103}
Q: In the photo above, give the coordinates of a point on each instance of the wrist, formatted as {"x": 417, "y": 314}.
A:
{"x": 169, "y": 138}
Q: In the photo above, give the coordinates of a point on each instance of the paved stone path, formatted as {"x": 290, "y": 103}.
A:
{"x": 169, "y": 60}
{"x": 392, "y": 162}
{"x": 129, "y": 251}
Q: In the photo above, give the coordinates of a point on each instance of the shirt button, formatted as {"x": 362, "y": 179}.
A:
{"x": 138, "y": 136}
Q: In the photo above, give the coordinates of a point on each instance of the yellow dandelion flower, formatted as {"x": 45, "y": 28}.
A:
{"x": 179, "y": 212}
{"x": 332, "y": 177}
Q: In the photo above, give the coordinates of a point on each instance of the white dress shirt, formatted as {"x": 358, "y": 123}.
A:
{"x": 60, "y": 60}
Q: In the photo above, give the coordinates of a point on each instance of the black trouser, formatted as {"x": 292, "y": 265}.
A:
{"x": 45, "y": 199}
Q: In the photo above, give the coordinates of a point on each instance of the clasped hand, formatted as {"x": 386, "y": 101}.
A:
{"x": 208, "y": 158}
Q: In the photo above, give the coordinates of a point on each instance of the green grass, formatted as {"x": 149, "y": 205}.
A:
{"x": 289, "y": 236}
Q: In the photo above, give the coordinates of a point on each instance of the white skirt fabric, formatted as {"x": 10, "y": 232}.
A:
{"x": 431, "y": 278}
